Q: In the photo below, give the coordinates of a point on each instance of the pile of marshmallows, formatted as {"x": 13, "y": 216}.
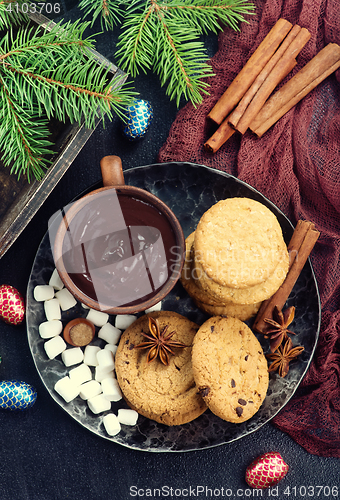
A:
{"x": 94, "y": 378}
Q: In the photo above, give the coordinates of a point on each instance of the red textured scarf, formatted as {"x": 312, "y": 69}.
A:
{"x": 296, "y": 164}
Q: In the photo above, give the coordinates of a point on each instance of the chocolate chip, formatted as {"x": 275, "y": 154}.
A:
{"x": 242, "y": 402}
{"x": 239, "y": 411}
{"x": 131, "y": 346}
{"x": 212, "y": 328}
{"x": 127, "y": 341}
{"x": 204, "y": 390}
{"x": 246, "y": 358}
{"x": 233, "y": 383}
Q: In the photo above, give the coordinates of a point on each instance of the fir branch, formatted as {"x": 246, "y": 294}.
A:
{"x": 46, "y": 74}
{"x": 11, "y": 13}
{"x": 109, "y": 11}
{"x": 211, "y": 15}
{"x": 22, "y": 138}
{"x": 178, "y": 56}
{"x": 164, "y": 36}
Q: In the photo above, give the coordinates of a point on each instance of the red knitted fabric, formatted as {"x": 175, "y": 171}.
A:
{"x": 296, "y": 164}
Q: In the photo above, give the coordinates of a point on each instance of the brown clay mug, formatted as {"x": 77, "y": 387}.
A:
{"x": 118, "y": 249}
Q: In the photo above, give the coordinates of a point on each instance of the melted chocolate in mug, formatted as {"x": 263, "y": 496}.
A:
{"x": 119, "y": 250}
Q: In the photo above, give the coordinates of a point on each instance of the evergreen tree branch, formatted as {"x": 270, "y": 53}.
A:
{"x": 46, "y": 74}
{"x": 211, "y": 15}
{"x": 22, "y": 141}
{"x": 182, "y": 56}
{"x": 10, "y": 15}
{"x": 163, "y": 35}
{"x": 109, "y": 11}
{"x": 137, "y": 44}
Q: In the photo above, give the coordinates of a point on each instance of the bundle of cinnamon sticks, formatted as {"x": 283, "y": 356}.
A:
{"x": 247, "y": 103}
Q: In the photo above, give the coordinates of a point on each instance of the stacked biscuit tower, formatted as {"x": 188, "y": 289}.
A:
{"x": 235, "y": 259}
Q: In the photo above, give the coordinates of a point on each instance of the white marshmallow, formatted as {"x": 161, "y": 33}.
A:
{"x": 54, "y": 346}
{"x": 52, "y": 309}
{"x": 90, "y": 355}
{"x": 111, "y": 424}
{"x": 99, "y": 374}
{"x": 43, "y": 292}
{"x": 49, "y": 329}
{"x": 111, "y": 389}
{"x": 127, "y": 416}
{"x": 66, "y": 299}
{"x": 124, "y": 320}
{"x": 156, "y": 307}
{"x": 105, "y": 360}
{"x": 55, "y": 281}
{"x": 90, "y": 389}
{"x": 67, "y": 389}
{"x": 109, "y": 333}
{"x": 112, "y": 348}
{"x": 98, "y": 318}
{"x": 80, "y": 374}
{"x": 72, "y": 356}
{"x": 98, "y": 404}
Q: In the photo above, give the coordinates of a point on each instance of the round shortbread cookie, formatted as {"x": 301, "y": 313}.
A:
{"x": 230, "y": 369}
{"x": 238, "y": 242}
{"x": 250, "y": 295}
{"x": 167, "y": 394}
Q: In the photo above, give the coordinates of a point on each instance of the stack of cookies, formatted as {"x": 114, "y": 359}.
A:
{"x": 235, "y": 259}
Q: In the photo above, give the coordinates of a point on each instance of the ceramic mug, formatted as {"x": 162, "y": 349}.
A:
{"x": 118, "y": 249}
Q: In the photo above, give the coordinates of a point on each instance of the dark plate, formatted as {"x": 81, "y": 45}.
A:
{"x": 189, "y": 190}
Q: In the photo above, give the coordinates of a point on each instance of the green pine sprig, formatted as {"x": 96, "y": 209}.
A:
{"x": 109, "y": 12}
{"x": 45, "y": 74}
{"x": 164, "y": 36}
{"x": 11, "y": 13}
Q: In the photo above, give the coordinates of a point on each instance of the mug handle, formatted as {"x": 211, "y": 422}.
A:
{"x": 112, "y": 171}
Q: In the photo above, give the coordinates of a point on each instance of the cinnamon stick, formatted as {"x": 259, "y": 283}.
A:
{"x": 222, "y": 134}
{"x": 281, "y": 69}
{"x": 250, "y": 71}
{"x": 314, "y": 72}
{"x": 302, "y": 243}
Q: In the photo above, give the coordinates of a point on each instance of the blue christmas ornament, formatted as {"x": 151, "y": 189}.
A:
{"x": 16, "y": 395}
{"x": 139, "y": 116}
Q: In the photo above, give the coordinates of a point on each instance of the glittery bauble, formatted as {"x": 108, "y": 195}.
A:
{"x": 16, "y": 395}
{"x": 267, "y": 470}
{"x": 139, "y": 116}
{"x": 12, "y": 306}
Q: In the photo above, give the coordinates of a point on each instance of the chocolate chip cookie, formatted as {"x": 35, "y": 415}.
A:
{"x": 229, "y": 368}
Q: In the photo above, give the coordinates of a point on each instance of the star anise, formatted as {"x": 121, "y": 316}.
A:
{"x": 282, "y": 357}
{"x": 278, "y": 331}
{"x": 159, "y": 342}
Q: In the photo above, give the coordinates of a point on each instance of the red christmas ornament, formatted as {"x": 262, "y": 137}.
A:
{"x": 267, "y": 470}
{"x": 12, "y": 306}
